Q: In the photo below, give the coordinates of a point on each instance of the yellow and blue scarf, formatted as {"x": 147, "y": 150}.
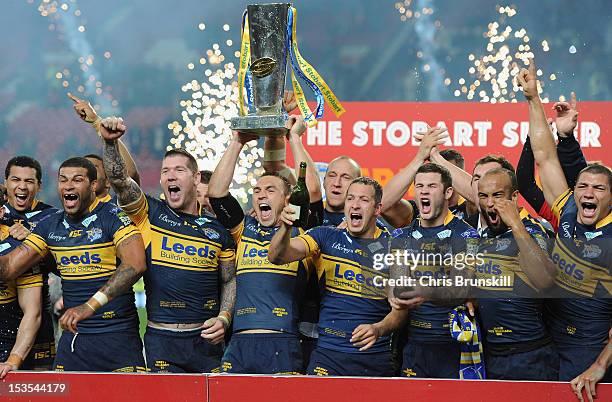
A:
{"x": 466, "y": 332}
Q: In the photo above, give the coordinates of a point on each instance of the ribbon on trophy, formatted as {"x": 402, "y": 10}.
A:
{"x": 464, "y": 331}
{"x": 299, "y": 66}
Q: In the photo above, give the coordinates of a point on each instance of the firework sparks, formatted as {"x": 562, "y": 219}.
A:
{"x": 67, "y": 21}
{"x": 207, "y": 107}
{"x": 494, "y": 74}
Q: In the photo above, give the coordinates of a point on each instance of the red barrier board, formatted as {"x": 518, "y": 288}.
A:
{"x": 46, "y": 387}
{"x": 379, "y": 135}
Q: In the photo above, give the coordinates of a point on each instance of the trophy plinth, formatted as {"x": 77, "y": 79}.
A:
{"x": 265, "y": 126}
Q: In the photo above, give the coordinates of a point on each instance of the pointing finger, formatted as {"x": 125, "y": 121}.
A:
{"x": 74, "y": 98}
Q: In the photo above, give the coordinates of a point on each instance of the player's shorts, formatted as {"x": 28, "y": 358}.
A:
{"x": 326, "y": 362}
{"x": 574, "y": 360}
{"x": 541, "y": 364}
{"x": 267, "y": 353}
{"x": 431, "y": 360}
{"x": 180, "y": 352}
{"x": 106, "y": 352}
{"x": 42, "y": 354}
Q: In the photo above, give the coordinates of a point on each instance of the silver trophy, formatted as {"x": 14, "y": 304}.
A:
{"x": 268, "y": 67}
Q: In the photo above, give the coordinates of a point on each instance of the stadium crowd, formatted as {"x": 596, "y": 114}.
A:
{"x": 249, "y": 292}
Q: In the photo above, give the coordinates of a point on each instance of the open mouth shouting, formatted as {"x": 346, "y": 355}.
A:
{"x": 174, "y": 193}
{"x": 589, "y": 209}
{"x": 355, "y": 219}
{"x": 494, "y": 219}
{"x": 22, "y": 200}
{"x": 425, "y": 206}
{"x": 71, "y": 200}
{"x": 265, "y": 211}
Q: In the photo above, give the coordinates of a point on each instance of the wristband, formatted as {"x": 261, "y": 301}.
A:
{"x": 90, "y": 306}
{"x": 274, "y": 155}
{"x": 15, "y": 360}
{"x": 96, "y": 124}
{"x": 225, "y": 317}
{"x": 100, "y": 298}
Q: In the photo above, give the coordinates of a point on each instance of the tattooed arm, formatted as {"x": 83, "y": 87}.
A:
{"x": 131, "y": 252}
{"x": 17, "y": 262}
{"x": 214, "y": 328}
{"x": 127, "y": 190}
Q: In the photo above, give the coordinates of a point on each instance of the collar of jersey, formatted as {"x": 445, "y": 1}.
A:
{"x": 449, "y": 217}
{"x": 605, "y": 221}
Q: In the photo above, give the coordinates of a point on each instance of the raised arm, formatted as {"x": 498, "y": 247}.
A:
{"x": 30, "y": 301}
{"x": 220, "y": 181}
{"x": 542, "y": 141}
{"x": 394, "y": 209}
{"x": 88, "y": 114}
{"x": 462, "y": 180}
{"x": 127, "y": 190}
{"x": 17, "y": 262}
{"x": 568, "y": 149}
{"x": 525, "y": 176}
{"x": 131, "y": 252}
{"x": 298, "y": 128}
{"x": 283, "y": 249}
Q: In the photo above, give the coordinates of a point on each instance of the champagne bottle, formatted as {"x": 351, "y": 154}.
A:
{"x": 300, "y": 199}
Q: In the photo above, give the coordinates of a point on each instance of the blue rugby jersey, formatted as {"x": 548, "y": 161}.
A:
{"x": 10, "y": 312}
{"x": 511, "y": 313}
{"x": 268, "y": 296}
{"x": 183, "y": 255}
{"x": 351, "y": 294}
{"x": 86, "y": 258}
{"x": 582, "y": 316}
{"x": 429, "y": 323}
{"x": 29, "y": 219}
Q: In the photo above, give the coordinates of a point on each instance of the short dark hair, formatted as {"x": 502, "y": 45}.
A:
{"x": 445, "y": 176}
{"x": 205, "y": 176}
{"x": 367, "y": 181}
{"x": 511, "y": 175}
{"x": 24, "y": 161}
{"x": 192, "y": 164}
{"x": 286, "y": 184}
{"x": 81, "y": 162}
{"x": 597, "y": 168}
{"x": 453, "y": 155}
{"x": 495, "y": 159}
{"x": 94, "y": 156}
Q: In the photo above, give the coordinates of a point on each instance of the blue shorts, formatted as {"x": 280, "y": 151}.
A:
{"x": 541, "y": 364}
{"x": 42, "y": 354}
{"x": 180, "y": 352}
{"x": 112, "y": 351}
{"x": 574, "y": 360}
{"x": 263, "y": 354}
{"x": 326, "y": 362}
{"x": 431, "y": 360}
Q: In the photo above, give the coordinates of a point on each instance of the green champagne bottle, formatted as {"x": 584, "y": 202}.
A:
{"x": 300, "y": 199}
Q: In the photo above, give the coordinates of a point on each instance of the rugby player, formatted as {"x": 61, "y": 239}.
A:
{"x": 355, "y": 320}
{"x": 268, "y": 296}
{"x": 341, "y": 171}
{"x": 515, "y": 260}
{"x": 437, "y": 231}
{"x": 99, "y": 255}
{"x": 22, "y": 212}
{"x": 187, "y": 253}
{"x": 581, "y": 318}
